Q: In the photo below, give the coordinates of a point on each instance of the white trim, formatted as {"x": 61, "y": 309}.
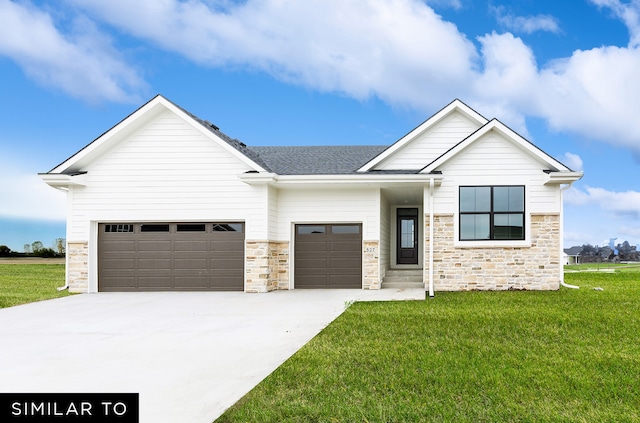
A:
{"x": 431, "y": 234}
{"x": 60, "y": 180}
{"x": 509, "y": 134}
{"x": 262, "y": 178}
{"x": 92, "y": 285}
{"x": 455, "y": 105}
{"x": 560, "y": 178}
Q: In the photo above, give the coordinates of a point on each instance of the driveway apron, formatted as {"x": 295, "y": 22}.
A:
{"x": 190, "y": 356}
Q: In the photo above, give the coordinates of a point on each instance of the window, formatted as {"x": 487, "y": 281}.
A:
{"x": 191, "y": 227}
{"x": 492, "y": 213}
{"x": 227, "y": 227}
{"x": 311, "y": 229}
{"x": 118, "y": 228}
{"x": 155, "y": 227}
{"x": 345, "y": 229}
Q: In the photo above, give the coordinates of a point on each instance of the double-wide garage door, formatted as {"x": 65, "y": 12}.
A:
{"x": 171, "y": 256}
{"x": 328, "y": 256}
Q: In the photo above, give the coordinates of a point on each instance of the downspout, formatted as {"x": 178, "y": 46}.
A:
{"x": 566, "y": 285}
{"x": 66, "y": 278}
{"x": 431, "y": 186}
{"x": 66, "y": 255}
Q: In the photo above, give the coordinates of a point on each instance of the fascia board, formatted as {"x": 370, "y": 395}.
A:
{"x": 450, "y": 108}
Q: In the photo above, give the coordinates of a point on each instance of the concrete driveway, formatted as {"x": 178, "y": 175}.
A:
{"x": 190, "y": 356}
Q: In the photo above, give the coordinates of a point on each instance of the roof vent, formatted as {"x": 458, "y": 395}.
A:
{"x": 239, "y": 142}
{"x": 211, "y": 125}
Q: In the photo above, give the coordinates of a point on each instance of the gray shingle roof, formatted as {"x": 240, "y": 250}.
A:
{"x": 573, "y": 251}
{"x": 317, "y": 160}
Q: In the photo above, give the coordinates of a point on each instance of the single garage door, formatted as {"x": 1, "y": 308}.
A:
{"x": 328, "y": 256}
{"x": 171, "y": 256}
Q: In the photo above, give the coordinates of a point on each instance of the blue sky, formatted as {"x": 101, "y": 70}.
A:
{"x": 564, "y": 74}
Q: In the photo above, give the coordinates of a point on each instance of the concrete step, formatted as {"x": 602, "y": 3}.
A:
{"x": 401, "y": 278}
{"x": 402, "y": 285}
{"x": 413, "y": 272}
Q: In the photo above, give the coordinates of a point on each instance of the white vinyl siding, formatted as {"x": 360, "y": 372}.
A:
{"x": 492, "y": 160}
{"x": 167, "y": 171}
{"x": 431, "y": 144}
{"x": 319, "y": 205}
{"x": 273, "y": 213}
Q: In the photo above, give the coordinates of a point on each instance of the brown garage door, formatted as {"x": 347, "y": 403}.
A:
{"x": 171, "y": 257}
{"x": 328, "y": 256}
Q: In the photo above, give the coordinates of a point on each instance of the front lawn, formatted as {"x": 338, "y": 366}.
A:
{"x": 26, "y": 283}
{"x": 562, "y": 356}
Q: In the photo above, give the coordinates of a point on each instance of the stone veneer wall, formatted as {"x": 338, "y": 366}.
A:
{"x": 280, "y": 264}
{"x": 266, "y": 266}
{"x": 461, "y": 269}
{"x": 78, "y": 266}
{"x": 371, "y": 265}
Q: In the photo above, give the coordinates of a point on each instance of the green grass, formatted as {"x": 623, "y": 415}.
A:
{"x": 26, "y": 283}
{"x": 561, "y": 356}
{"x": 618, "y": 267}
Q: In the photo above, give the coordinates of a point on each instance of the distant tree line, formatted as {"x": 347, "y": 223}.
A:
{"x": 609, "y": 253}
{"x": 37, "y": 249}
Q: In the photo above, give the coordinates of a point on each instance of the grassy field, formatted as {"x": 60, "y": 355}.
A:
{"x": 617, "y": 267}
{"x": 26, "y": 283}
{"x": 562, "y": 356}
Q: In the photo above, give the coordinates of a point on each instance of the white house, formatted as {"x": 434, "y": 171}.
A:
{"x": 166, "y": 201}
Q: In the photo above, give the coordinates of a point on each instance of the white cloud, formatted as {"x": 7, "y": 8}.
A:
{"x": 629, "y": 233}
{"x": 526, "y": 24}
{"x": 629, "y": 13}
{"x": 26, "y": 196}
{"x": 588, "y": 94}
{"x": 573, "y": 161}
{"x": 400, "y": 51}
{"x": 82, "y": 64}
{"x": 626, "y": 204}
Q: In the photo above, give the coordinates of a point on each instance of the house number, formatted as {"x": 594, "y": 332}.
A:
{"x": 370, "y": 249}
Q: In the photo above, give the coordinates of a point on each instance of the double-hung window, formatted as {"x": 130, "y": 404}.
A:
{"x": 491, "y": 213}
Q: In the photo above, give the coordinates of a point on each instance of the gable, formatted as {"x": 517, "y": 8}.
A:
{"x": 146, "y": 115}
{"x": 512, "y": 139}
{"x": 431, "y": 138}
{"x": 430, "y": 144}
{"x": 492, "y": 155}
{"x": 167, "y": 148}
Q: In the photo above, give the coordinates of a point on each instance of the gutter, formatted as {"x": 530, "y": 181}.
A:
{"x": 66, "y": 277}
{"x": 356, "y": 179}
{"x": 564, "y": 188}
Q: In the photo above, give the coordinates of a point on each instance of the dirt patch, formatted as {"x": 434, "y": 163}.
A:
{"x": 31, "y": 260}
